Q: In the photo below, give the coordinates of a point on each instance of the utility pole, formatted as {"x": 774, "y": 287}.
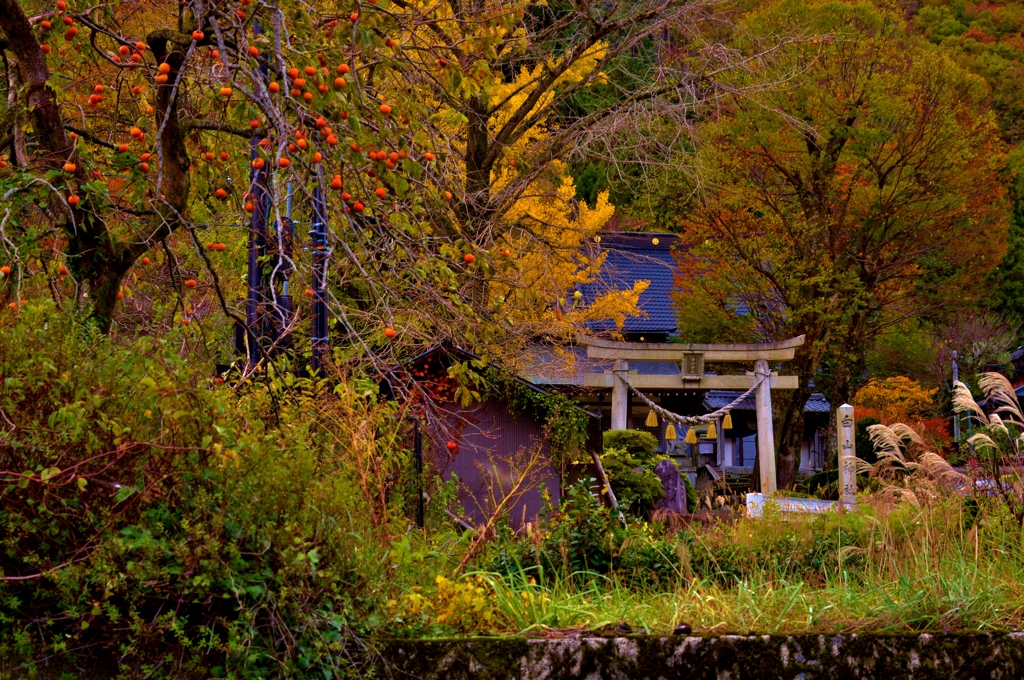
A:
{"x": 254, "y": 303}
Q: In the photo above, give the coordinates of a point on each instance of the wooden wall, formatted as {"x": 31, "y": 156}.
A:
{"x": 491, "y": 440}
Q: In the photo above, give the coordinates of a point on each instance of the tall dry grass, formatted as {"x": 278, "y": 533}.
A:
{"x": 997, "y": 449}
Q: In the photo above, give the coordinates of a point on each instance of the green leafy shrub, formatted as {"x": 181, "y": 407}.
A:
{"x": 637, "y": 443}
{"x": 582, "y": 540}
{"x": 636, "y": 488}
{"x": 629, "y": 461}
{"x": 865, "y": 449}
{"x": 151, "y": 517}
{"x": 775, "y": 548}
{"x": 824, "y": 484}
{"x": 692, "y": 498}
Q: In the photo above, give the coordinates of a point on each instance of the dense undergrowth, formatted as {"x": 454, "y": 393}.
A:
{"x": 950, "y": 566}
{"x": 151, "y": 519}
{"x": 155, "y": 523}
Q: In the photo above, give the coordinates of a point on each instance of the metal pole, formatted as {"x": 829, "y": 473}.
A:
{"x": 318, "y": 243}
{"x": 257, "y": 249}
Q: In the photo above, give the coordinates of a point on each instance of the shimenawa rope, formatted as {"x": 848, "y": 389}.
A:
{"x": 693, "y": 420}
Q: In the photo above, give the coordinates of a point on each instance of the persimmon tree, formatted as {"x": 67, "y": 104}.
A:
{"x": 864, "y": 192}
{"x": 144, "y": 131}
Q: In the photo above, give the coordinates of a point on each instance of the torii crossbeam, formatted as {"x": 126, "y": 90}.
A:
{"x": 691, "y": 358}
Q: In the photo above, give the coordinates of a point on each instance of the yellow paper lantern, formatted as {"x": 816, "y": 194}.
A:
{"x": 670, "y": 433}
{"x": 727, "y": 421}
{"x": 691, "y": 436}
{"x": 652, "y": 419}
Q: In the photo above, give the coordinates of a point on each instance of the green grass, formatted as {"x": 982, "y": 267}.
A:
{"x": 768, "y": 606}
{"x": 910, "y": 569}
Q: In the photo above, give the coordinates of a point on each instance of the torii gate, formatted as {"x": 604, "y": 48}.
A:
{"x": 691, "y": 358}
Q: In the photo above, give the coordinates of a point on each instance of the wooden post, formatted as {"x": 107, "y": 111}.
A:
{"x": 720, "y": 446}
{"x": 847, "y": 455}
{"x": 765, "y": 431}
{"x": 817, "y": 449}
{"x": 620, "y": 395}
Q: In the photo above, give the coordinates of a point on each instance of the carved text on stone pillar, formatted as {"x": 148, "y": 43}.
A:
{"x": 847, "y": 455}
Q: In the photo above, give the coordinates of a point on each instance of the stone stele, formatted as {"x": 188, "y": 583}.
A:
{"x": 672, "y": 483}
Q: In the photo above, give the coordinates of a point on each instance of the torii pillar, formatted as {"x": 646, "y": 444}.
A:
{"x": 691, "y": 359}
{"x": 620, "y": 395}
{"x": 765, "y": 430}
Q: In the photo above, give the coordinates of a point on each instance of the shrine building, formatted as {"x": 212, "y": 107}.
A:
{"x": 677, "y": 377}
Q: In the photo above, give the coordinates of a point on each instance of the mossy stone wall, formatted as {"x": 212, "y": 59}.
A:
{"x": 733, "y": 657}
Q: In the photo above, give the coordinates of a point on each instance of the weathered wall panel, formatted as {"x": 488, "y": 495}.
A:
{"x": 493, "y": 446}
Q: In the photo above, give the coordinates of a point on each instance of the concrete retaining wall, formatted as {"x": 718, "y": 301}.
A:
{"x": 727, "y": 657}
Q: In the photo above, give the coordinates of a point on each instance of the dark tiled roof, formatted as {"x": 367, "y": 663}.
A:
{"x": 454, "y": 353}
{"x": 817, "y": 404}
{"x": 635, "y": 257}
{"x": 545, "y": 366}
{"x": 716, "y": 399}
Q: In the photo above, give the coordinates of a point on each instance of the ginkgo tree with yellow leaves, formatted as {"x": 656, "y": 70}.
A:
{"x": 547, "y": 227}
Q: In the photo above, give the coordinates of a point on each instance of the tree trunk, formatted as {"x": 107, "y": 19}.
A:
{"x": 94, "y": 253}
{"x": 478, "y": 169}
{"x": 791, "y": 431}
{"x": 848, "y": 363}
{"x": 19, "y": 151}
{"x": 791, "y": 422}
{"x": 104, "y": 284}
{"x": 477, "y": 210}
{"x": 41, "y": 104}
{"x": 109, "y": 260}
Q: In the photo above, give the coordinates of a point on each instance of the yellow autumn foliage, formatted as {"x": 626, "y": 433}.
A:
{"x": 547, "y": 228}
{"x": 551, "y": 229}
{"x": 514, "y": 94}
{"x": 544, "y": 227}
{"x": 465, "y": 605}
{"x": 896, "y": 399}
